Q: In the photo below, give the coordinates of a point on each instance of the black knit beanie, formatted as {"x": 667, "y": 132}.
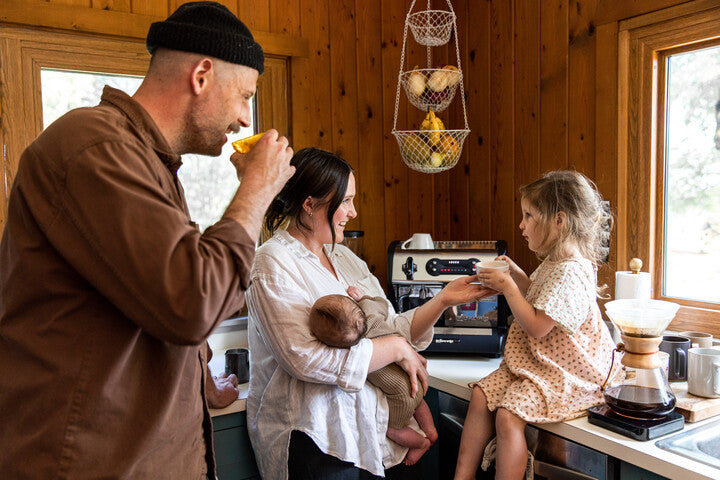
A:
{"x": 208, "y": 28}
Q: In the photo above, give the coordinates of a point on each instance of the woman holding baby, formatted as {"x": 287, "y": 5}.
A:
{"x": 311, "y": 413}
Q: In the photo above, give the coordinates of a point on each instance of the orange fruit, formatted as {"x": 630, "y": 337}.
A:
{"x": 449, "y": 145}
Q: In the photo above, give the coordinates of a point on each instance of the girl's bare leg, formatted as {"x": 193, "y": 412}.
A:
{"x": 477, "y": 431}
{"x": 511, "y": 456}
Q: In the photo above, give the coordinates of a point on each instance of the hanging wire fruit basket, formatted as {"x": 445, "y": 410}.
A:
{"x": 431, "y": 88}
{"x": 431, "y": 27}
{"x": 432, "y": 148}
{"x": 430, "y": 151}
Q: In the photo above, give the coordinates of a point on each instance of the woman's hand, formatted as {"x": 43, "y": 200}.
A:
{"x": 459, "y": 291}
{"x": 463, "y": 290}
{"x": 395, "y": 349}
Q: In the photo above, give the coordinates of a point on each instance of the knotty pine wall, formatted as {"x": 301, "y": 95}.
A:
{"x": 541, "y": 87}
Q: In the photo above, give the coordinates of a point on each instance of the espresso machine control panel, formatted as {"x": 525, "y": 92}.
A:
{"x": 440, "y": 267}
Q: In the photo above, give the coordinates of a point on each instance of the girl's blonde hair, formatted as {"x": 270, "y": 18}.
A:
{"x": 588, "y": 220}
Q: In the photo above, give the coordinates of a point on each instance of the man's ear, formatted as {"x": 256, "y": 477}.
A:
{"x": 560, "y": 218}
{"x": 201, "y": 74}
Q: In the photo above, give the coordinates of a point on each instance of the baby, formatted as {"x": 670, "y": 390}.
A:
{"x": 340, "y": 321}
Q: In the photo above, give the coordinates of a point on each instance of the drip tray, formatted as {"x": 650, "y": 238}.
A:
{"x": 644, "y": 430}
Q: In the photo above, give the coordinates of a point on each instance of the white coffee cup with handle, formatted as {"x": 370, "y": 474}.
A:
{"x": 704, "y": 372}
{"x": 419, "y": 241}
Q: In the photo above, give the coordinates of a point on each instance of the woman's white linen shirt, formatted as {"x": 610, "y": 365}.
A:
{"x": 297, "y": 382}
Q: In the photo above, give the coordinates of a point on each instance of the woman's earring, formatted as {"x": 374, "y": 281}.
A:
{"x": 310, "y": 213}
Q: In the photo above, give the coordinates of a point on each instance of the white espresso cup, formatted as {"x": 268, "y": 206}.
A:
{"x": 501, "y": 265}
{"x": 698, "y": 339}
{"x": 704, "y": 372}
{"x": 419, "y": 241}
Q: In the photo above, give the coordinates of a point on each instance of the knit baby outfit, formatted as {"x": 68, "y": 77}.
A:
{"x": 392, "y": 379}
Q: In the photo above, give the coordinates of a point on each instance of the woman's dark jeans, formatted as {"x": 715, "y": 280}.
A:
{"x": 307, "y": 462}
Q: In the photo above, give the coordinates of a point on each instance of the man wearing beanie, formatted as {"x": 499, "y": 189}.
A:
{"x": 108, "y": 290}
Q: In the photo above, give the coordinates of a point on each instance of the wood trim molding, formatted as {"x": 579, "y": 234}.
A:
{"x": 120, "y": 24}
{"x": 643, "y": 44}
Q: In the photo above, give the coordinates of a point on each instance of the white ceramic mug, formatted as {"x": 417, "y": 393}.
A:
{"x": 699, "y": 339}
{"x": 419, "y": 241}
{"x": 704, "y": 372}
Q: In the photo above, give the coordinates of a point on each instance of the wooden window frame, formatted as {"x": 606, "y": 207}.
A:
{"x": 25, "y": 51}
{"x": 644, "y": 44}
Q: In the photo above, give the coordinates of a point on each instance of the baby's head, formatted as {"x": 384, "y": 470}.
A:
{"x": 337, "y": 321}
{"x": 586, "y": 221}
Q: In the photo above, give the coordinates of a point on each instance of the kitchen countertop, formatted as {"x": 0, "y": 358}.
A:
{"x": 451, "y": 375}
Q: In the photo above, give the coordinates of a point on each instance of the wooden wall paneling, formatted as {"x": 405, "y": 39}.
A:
{"x": 607, "y": 175}
{"x": 502, "y": 116}
{"x": 157, "y": 8}
{"x": 397, "y": 215}
{"x": 554, "y": 85}
{"x": 75, "y": 3}
{"x": 450, "y": 186}
{"x": 285, "y": 14}
{"x": 527, "y": 117}
{"x": 442, "y": 194}
{"x": 311, "y": 113}
{"x": 477, "y": 146}
{"x": 420, "y": 185}
{"x": 581, "y": 87}
{"x": 370, "y": 198}
{"x": 116, "y": 5}
{"x": 256, "y": 14}
{"x": 343, "y": 80}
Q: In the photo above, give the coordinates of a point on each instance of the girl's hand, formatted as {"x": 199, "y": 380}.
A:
{"x": 518, "y": 275}
{"x": 514, "y": 269}
{"x": 496, "y": 280}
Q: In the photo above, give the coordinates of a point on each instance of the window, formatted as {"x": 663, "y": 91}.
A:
{"x": 71, "y": 70}
{"x": 691, "y": 230}
{"x": 669, "y": 153}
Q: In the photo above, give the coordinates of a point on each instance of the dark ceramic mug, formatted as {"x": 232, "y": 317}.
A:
{"x": 237, "y": 361}
{"x": 677, "y": 347}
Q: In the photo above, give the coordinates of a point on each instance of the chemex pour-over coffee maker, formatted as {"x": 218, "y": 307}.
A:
{"x": 642, "y": 406}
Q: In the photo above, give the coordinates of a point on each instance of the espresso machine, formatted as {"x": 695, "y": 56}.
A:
{"x": 416, "y": 275}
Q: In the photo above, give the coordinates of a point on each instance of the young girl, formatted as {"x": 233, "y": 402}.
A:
{"x": 558, "y": 351}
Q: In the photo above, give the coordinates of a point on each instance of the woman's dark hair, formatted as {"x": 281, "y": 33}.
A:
{"x": 318, "y": 174}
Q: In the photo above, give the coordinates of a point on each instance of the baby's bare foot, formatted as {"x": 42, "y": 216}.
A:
{"x": 415, "y": 454}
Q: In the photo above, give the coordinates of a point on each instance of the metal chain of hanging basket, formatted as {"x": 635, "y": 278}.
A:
{"x": 433, "y": 148}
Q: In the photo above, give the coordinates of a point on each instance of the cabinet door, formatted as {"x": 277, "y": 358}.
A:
{"x": 234, "y": 455}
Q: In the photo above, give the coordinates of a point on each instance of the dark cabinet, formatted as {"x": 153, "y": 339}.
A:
{"x": 233, "y": 453}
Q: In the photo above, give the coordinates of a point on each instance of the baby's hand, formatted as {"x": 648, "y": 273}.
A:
{"x": 355, "y": 293}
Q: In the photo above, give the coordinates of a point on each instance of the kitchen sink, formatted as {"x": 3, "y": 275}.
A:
{"x": 701, "y": 444}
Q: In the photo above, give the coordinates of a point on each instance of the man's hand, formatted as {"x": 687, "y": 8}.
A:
{"x": 264, "y": 170}
{"x": 221, "y": 391}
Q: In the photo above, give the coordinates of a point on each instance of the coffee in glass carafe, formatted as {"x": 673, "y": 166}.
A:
{"x": 647, "y": 394}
